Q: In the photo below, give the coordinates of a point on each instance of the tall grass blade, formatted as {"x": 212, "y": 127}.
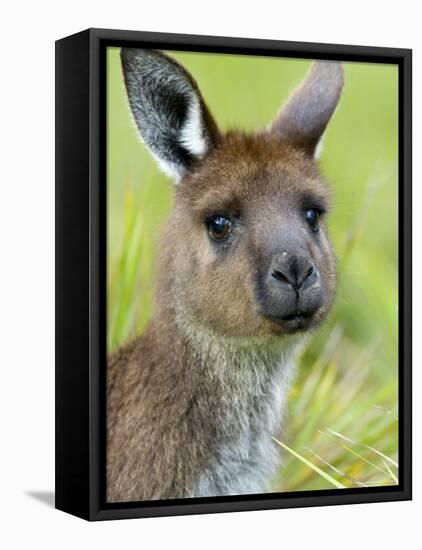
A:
{"x": 315, "y": 468}
{"x": 358, "y": 455}
{"x": 379, "y": 453}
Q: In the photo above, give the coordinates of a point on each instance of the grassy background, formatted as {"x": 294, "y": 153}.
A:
{"x": 342, "y": 427}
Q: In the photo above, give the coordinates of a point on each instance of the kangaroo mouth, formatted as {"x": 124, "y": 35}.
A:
{"x": 294, "y": 322}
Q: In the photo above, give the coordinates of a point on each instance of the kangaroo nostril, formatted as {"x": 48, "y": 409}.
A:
{"x": 310, "y": 271}
{"x": 280, "y": 276}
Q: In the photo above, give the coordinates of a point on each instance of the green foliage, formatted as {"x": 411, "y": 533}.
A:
{"x": 342, "y": 422}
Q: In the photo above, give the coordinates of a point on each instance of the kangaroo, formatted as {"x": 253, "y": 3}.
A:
{"x": 245, "y": 271}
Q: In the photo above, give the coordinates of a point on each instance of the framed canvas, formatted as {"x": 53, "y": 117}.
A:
{"x": 233, "y": 274}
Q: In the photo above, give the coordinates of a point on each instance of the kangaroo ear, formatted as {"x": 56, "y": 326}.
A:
{"x": 307, "y": 112}
{"x": 169, "y": 111}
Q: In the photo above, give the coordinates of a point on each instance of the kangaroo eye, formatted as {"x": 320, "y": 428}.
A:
{"x": 218, "y": 227}
{"x": 312, "y": 218}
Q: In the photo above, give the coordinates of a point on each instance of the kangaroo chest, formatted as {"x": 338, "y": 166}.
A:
{"x": 249, "y": 415}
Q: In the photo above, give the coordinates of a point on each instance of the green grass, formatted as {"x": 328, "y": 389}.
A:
{"x": 341, "y": 429}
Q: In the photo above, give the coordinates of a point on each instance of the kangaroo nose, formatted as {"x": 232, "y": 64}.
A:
{"x": 292, "y": 269}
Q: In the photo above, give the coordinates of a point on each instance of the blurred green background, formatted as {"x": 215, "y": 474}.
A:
{"x": 341, "y": 428}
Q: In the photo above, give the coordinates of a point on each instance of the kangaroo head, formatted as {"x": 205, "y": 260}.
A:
{"x": 246, "y": 251}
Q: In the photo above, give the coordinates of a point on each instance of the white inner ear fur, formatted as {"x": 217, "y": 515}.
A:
{"x": 170, "y": 169}
{"x": 319, "y": 148}
{"x": 192, "y": 133}
{"x": 192, "y": 138}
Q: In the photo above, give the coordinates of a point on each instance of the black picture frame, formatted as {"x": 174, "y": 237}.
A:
{"x": 81, "y": 273}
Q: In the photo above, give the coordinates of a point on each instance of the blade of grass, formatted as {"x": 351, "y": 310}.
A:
{"x": 354, "y": 453}
{"x": 379, "y": 453}
{"x": 350, "y": 478}
{"x": 315, "y": 468}
{"x": 391, "y": 473}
